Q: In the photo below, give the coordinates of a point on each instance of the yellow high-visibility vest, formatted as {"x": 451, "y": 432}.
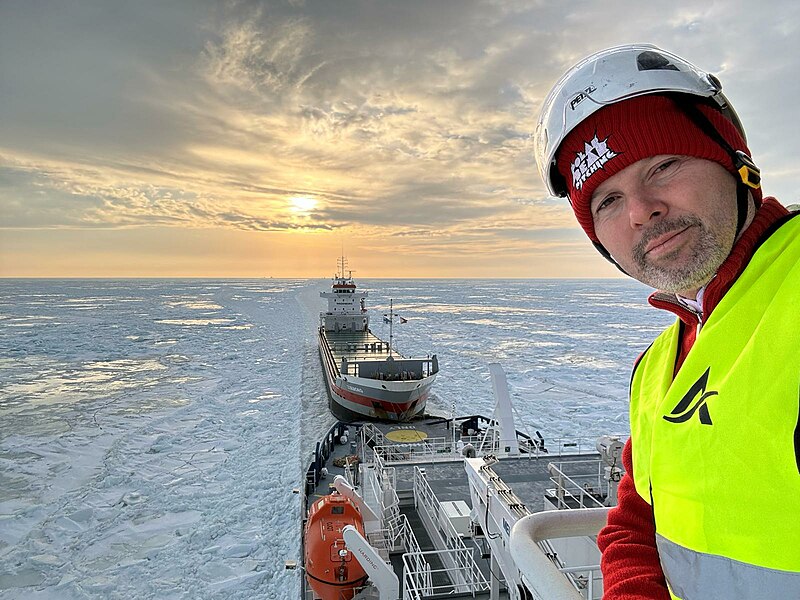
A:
{"x": 716, "y": 450}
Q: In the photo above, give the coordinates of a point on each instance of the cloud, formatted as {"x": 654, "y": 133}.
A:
{"x": 66, "y": 197}
{"x": 396, "y": 117}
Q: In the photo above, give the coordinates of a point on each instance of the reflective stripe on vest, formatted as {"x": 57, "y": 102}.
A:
{"x": 714, "y": 449}
{"x": 694, "y": 575}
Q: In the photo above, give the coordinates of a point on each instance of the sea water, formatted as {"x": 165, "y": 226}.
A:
{"x": 152, "y": 431}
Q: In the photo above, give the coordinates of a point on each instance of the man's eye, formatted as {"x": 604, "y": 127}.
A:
{"x": 666, "y": 165}
{"x": 605, "y": 203}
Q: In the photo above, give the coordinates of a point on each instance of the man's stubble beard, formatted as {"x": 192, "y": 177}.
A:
{"x": 708, "y": 252}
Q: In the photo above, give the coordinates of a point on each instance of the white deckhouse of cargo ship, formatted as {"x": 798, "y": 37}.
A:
{"x": 366, "y": 377}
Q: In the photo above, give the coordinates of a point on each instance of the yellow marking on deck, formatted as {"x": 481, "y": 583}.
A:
{"x": 406, "y": 436}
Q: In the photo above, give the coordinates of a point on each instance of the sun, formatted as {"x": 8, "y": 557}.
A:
{"x": 302, "y": 203}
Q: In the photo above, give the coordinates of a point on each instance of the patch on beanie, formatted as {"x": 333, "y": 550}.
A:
{"x": 596, "y": 153}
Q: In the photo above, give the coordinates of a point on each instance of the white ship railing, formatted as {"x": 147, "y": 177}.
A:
{"x": 382, "y": 497}
{"x": 441, "y": 449}
{"x": 380, "y": 541}
{"x": 589, "y": 492}
{"x": 371, "y": 436}
{"x": 366, "y": 347}
{"x": 428, "y": 450}
{"x": 538, "y": 571}
{"x": 351, "y": 472}
{"x": 570, "y": 447}
{"x": 396, "y": 532}
{"x": 427, "y": 582}
{"x": 463, "y": 574}
{"x": 588, "y": 579}
{"x": 381, "y": 489}
{"x": 400, "y": 535}
{"x": 332, "y": 367}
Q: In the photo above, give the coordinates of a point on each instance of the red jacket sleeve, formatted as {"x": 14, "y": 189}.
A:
{"x": 630, "y": 565}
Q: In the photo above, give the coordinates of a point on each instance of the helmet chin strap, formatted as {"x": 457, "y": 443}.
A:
{"x": 749, "y": 175}
{"x": 742, "y": 206}
{"x": 607, "y": 255}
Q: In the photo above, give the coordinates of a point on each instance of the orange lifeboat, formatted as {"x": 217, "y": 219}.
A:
{"x": 331, "y": 569}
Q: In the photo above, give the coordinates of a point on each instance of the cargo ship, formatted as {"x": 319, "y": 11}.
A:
{"x": 366, "y": 377}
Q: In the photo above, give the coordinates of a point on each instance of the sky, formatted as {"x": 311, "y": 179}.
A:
{"x": 263, "y": 139}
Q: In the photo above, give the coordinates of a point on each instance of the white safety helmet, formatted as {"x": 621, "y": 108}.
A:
{"x": 611, "y": 76}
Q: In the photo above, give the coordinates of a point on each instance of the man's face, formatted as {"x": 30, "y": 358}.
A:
{"x": 668, "y": 220}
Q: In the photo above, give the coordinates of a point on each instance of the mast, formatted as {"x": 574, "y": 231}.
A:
{"x": 391, "y": 324}
{"x": 342, "y": 264}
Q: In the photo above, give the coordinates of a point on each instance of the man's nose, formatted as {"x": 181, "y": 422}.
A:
{"x": 644, "y": 208}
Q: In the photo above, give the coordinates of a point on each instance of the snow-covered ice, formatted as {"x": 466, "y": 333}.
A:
{"x": 151, "y": 431}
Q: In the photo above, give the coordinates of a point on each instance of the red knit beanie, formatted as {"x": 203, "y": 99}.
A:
{"x": 623, "y": 133}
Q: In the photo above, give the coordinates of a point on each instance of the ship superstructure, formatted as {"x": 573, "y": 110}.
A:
{"x": 366, "y": 377}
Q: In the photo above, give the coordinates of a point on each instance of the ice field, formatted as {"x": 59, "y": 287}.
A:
{"x": 151, "y": 431}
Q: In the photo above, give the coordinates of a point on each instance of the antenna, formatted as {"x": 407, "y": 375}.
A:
{"x": 391, "y": 324}
{"x": 342, "y": 264}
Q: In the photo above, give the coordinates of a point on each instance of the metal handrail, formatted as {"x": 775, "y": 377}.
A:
{"x": 441, "y": 449}
{"x": 467, "y": 576}
{"x": 579, "y": 493}
{"x": 418, "y": 582}
{"x": 544, "y": 579}
{"x": 370, "y": 433}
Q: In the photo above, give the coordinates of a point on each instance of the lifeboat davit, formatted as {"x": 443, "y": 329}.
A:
{"x": 331, "y": 569}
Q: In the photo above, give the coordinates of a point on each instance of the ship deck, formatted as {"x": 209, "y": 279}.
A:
{"x": 527, "y": 475}
{"x": 358, "y": 346}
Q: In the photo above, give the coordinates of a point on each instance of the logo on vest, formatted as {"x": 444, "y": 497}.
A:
{"x": 684, "y": 410}
{"x": 595, "y": 154}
